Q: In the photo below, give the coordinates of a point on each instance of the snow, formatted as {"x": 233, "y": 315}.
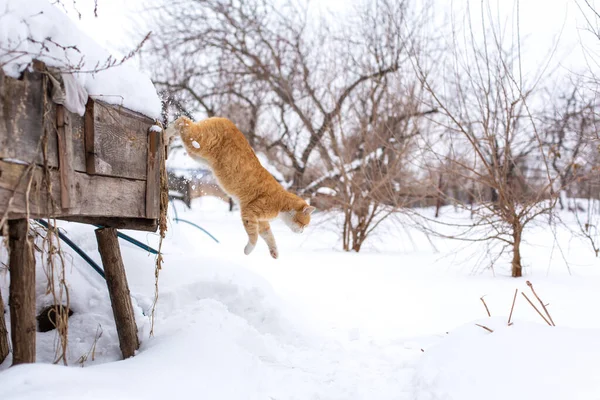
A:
{"x": 525, "y": 360}
{"x": 319, "y": 323}
{"x": 155, "y": 128}
{"x": 326, "y": 191}
{"x": 36, "y": 29}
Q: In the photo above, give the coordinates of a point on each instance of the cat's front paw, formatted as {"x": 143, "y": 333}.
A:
{"x": 274, "y": 253}
{"x": 248, "y": 249}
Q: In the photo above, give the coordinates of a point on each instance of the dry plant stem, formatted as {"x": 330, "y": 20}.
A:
{"x": 536, "y": 309}
{"x": 164, "y": 204}
{"x": 485, "y": 305}
{"x": 92, "y": 352}
{"x": 541, "y": 302}
{"x": 512, "y": 307}
{"x": 485, "y": 327}
{"x": 55, "y": 274}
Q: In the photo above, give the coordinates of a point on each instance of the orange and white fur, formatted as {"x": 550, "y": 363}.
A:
{"x": 218, "y": 144}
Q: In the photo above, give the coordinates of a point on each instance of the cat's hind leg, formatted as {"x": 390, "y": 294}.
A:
{"x": 264, "y": 230}
{"x": 251, "y": 226}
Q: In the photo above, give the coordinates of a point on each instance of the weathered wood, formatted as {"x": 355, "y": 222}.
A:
{"x": 20, "y": 113}
{"x": 150, "y": 225}
{"x": 89, "y": 137}
{"x": 65, "y": 156}
{"x": 153, "y": 175}
{"x": 21, "y": 119}
{"x": 116, "y": 280}
{"x": 22, "y": 292}
{"x": 93, "y": 195}
{"x": 116, "y": 141}
{"x": 3, "y": 333}
{"x": 108, "y": 141}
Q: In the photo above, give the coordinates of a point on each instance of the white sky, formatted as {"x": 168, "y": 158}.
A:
{"x": 543, "y": 25}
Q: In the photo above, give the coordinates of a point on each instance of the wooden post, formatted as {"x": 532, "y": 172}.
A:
{"x": 65, "y": 156}
{"x": 153, "y": 175}
{"x": 22, "y": 292}
{"x": 3, "y": 333}
{"x": 116, "y": 280}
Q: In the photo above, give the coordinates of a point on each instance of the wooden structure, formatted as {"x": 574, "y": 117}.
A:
{"x": 104, "y": 168}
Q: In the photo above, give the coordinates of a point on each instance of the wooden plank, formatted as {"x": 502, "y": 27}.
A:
{"x": 93, "y": 195}
{"x": 153, "y": 175}
{"x": 149, "y": 225}
{"x": 89, "y": 137}
{"x": 21, "y": 116}
{"x": 3, "y": 333}
{"x": 118, "y": 289}
{"x": 65, "y": 156}
{"x": 108, "y": 140}
{"x": 22, "y": 292}
{"x": 21, "y": 104}
{"x": 116, "y": 141}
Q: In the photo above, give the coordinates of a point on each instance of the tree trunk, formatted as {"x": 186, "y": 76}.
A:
{"x": 494, "y": 196}
{"x": 438, "y": 203}
{"x": 22, "y": 292}
{"x": 516, "y": 261}
{"x": 357, "y": 244}
{"x": 116, "y": 280}
{"x": 297, "y": 180}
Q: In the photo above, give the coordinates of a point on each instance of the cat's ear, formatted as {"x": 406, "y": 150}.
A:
{"x": 308, "y": 210}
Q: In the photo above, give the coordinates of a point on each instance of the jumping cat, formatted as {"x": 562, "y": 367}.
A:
{"x": 218, "y": 144}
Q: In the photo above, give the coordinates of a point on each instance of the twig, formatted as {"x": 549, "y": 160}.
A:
{"x": 485, "y": 327}
{"x": 485, "y": 305}
{"x": 512, "y": 307}
{"x": 541, "y": 302}
{"x": 538, "y": 311}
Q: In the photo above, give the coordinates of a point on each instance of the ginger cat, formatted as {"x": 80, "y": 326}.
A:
{"x": 218, "y": 144}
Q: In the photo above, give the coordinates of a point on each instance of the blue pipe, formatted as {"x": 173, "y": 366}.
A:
{"x": 76, "y": 248}
{"x": 174, "y": 208}
{"x": 176, "y": 219}
{"x": 133, "y": 241}
{"x": 197, "y": 226}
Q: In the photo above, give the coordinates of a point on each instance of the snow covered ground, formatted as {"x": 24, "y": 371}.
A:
{"x": 396, "y": 321}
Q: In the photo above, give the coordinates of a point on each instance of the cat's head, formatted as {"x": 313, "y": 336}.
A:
{"x": 299, "y": 218}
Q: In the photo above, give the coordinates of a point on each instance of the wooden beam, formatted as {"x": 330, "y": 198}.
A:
{"x": 22, "y": 292}
{"x": 150, "y": 225}
{"x": 116, "y": 141}
{"x": 3, "y": 333}
{"x": 92, "y": 195}
{"x": 153, "y": 175}
{"x": 116, "y": 280}
{"x": 89, "y": 137}
{"x": 65, "y": 156}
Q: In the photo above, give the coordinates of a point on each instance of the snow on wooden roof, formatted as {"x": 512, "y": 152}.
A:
{"x": 35, "y": 29}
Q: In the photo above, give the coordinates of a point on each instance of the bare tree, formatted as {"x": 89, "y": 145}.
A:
{"x": 570, "y": 127}
{"x": 333, "y": 103}
{"x": 489, "y": 127}
{"x": 277, "y": 62}
{"x": 372, "y": 177}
